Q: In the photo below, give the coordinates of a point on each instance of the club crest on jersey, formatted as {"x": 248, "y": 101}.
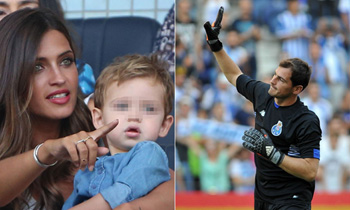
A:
{"x": 276, "y": 130}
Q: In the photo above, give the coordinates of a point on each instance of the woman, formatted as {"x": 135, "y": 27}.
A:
{"x": 40, "y": 108}
{"x": 86, "y": 75}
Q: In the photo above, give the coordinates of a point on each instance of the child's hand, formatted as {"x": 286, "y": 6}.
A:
{"x": 81, "y": 148}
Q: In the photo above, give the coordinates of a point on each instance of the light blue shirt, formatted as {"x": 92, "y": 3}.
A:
{"x": 122, "y": 177}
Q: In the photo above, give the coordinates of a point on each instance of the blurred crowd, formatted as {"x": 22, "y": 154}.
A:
{"x": 317, "y": 31}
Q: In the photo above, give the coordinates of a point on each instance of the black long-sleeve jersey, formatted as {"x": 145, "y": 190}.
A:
{"x": 295, "y": 130}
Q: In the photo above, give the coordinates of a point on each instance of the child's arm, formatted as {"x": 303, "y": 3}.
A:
{"x": 95, "y": 203}
{"x": 144, "y": 169}
{"x": 161, "y": 197}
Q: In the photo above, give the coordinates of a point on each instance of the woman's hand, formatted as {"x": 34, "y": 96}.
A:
{"x": 81, "y": 148}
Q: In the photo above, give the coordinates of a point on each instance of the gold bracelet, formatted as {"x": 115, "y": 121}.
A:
{"x": 35, "y": 155}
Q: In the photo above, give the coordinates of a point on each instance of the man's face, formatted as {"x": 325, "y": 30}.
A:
{"x": 280, "y": 84}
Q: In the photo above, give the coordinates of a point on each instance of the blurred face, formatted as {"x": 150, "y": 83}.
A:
{"x": 138, "y": 104}
{"x": 232, "y": 39}
{"x": 55, "y": 81}
{"x": 9, "y": 6}
{"x": 293, "y": 6}
{"x": 315, "y": 51}
{"x": 280, "y": 84}
{"x": 314, "y": 91}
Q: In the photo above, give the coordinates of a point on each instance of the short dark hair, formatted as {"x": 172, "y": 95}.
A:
{"x": 301, "y": 71}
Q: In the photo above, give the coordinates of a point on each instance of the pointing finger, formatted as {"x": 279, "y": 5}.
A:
{"x": 101, "y": 132}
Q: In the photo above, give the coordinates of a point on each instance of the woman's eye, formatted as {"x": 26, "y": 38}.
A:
{"x": 67, "y": 62}
{"x": 38, "y": 67}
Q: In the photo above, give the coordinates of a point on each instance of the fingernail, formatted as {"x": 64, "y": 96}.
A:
{"x": 91, "y": 168}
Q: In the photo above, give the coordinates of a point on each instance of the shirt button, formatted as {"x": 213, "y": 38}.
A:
{"x": 93, "y": 186}
{"x": 99, "y": 171}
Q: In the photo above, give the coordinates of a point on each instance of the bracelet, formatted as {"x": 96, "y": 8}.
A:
{"x": 35, "y": 155}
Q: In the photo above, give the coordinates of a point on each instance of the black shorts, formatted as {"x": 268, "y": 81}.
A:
{"x": 260, "y": 205}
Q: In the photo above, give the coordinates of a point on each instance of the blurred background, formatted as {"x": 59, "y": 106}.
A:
{"x": 156, "y": 9}
{"x": 214, "y": 171}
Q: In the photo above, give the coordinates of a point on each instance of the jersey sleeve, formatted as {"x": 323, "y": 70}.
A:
{"x": 309, "y": 137}
{"x": 147, "y": 168}
{"x": 253, "y": 90}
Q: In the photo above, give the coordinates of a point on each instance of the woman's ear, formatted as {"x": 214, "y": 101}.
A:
{"x": 167, "y": 122}
{"x": 97, "y": 117}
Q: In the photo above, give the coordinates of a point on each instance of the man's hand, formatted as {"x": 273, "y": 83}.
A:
{"x": 260, "y": 143}
{"x": 213, "y": 32}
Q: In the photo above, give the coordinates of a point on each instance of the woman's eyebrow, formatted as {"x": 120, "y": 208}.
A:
{"x": 3, "y": 4}
{"x": 27, "y": 2}
{"x": 60, "y": 55}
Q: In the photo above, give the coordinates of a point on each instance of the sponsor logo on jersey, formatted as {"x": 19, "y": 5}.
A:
{"x": 276, "y": 130}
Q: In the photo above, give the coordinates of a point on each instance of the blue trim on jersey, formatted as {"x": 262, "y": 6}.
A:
{"x": 274, "y": 103}
{"x": 317, "y": 153}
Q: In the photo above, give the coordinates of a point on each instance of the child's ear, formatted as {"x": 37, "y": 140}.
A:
{"x": 97, "y": 117}
{"x": 167, "y": 122}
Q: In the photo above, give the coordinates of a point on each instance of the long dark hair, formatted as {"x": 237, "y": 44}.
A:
{"x": 20, "y": 36}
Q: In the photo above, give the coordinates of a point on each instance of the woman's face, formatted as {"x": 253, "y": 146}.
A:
{"x": 9, "y": 6}
{"x": 55, "y": 81}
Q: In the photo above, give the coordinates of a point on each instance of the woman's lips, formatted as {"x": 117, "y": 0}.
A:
{"x": 59, "y": 97}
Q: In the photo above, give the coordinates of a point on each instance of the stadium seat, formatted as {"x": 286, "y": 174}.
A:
{"x": 102, "y": 39}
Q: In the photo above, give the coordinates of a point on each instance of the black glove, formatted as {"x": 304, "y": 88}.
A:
{"x": 213, "y": 32}
{"x": 260, "y": 143}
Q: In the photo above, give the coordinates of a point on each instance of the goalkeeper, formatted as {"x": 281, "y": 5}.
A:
{"x": 286, "y": 136}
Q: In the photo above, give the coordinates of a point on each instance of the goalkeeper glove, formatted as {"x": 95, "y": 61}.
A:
{"x": 261, "y": 143}
{"x": 213, "y": 32}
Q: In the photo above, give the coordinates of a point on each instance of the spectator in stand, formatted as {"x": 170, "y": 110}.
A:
{"x": 249, "y": 32}
{"x": 344, "y": 9}
{"x": 236, "y": 51}
{"x": 187, "y": 34}
{"x": 242, "y": 171}
{"x": 211, "y": 8}
{"x": 335, "y": 157}
{"x": 345, "y": 110}
{"x": 265, "y": 12}
{"x": 222, "y": 92}
{"x": 294, "y": 31}
{"x": 322, "y": 107}
{"x": 321, "y": 9}
{"x": 319, "y": 71}
{"x": 214, "y": 156}
{"x": 332, "y": 41}
{"x": 184, "y": 109}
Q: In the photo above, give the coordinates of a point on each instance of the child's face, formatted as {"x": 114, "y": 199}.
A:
{"x": 138, "y": 104}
